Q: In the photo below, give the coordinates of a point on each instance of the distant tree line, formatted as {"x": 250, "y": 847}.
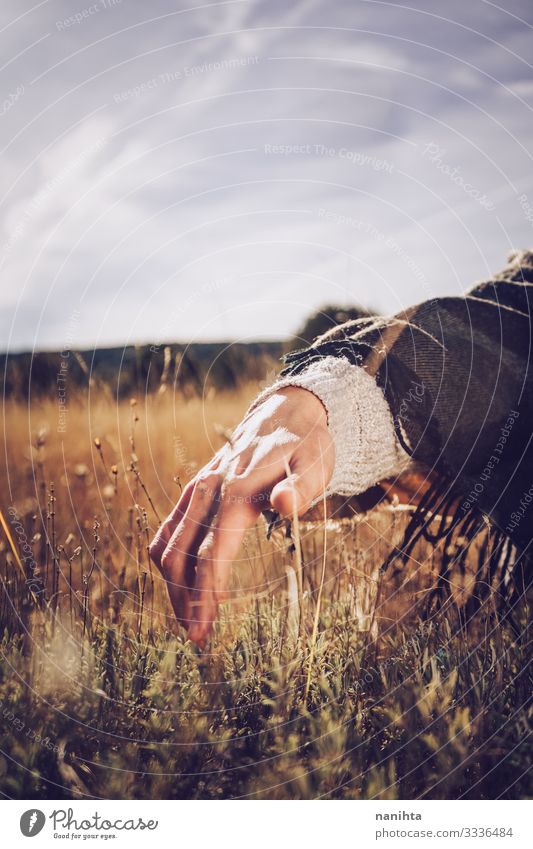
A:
{"x": 191, "y": 369}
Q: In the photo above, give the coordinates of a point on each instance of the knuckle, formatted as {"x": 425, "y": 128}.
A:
{"x": 204, "y": 552}
{"x": 302, "y": 487}
{"x": 189, "y": 486}
{"x": 221, "y": 595}
{"x": 165, "y": 564}
{"x": 199, "y": 633}
{"x": 203, "y": 576}
{"x": 154, "y": 550}
{"x": 207, "y": 484}
{"x": 205, "y": 476}
{"x": 236, "y": 490}
{"x": 168, "y": 560}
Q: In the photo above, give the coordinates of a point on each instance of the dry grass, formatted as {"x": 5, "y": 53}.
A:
{"x": 320, "y": 678}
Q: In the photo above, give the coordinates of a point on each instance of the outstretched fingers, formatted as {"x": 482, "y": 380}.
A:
{"x": 178, "y": 557}
{"x": 167, "y": 528}
{"x": 239, "y": 510}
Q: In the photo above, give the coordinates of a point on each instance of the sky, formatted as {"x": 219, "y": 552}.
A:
{"x": 217, "y": 171}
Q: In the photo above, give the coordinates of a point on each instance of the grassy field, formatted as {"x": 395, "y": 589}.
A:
{"x": 321, "y": 679}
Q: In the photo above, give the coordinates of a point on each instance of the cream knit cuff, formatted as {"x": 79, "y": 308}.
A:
{"x": 359, "y": 420}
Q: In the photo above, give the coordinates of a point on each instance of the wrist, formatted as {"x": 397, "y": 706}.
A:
{"x": 358, "y": 420}
{"x": 309, "y": 404}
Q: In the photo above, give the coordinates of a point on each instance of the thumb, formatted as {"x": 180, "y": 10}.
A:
{"x": 307, "y": 477}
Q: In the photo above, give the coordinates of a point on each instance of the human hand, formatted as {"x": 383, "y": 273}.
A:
{"x": 196, "y": 545}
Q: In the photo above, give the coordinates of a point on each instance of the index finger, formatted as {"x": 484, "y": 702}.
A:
{"x": 167, "y": 528}
{"x": 178, "y": 559}
{"x": 165, "y": 531}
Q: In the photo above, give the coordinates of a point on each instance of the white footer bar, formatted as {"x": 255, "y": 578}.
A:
{"x": 269, "y": 825}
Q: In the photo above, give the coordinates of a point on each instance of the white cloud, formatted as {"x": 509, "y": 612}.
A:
{"x": 182, "y": 191}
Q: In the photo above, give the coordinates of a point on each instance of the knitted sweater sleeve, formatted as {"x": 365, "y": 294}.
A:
{"x": 359, "y": 420}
